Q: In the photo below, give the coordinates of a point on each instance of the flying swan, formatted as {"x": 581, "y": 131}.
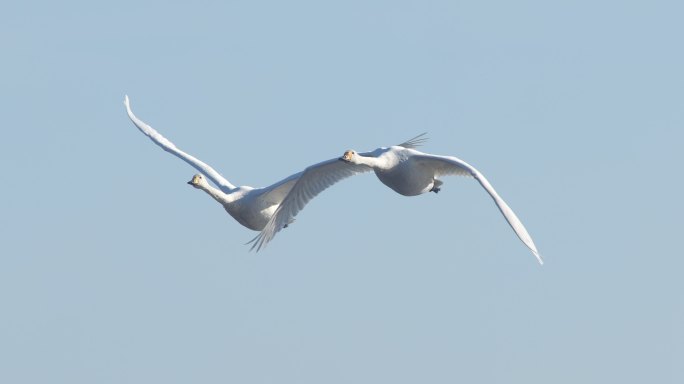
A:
{"x": 402, "y": 168}
{"x": 251, "y": 207}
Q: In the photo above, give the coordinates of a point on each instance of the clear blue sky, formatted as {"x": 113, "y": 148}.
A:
{"x": 113, "y": 270}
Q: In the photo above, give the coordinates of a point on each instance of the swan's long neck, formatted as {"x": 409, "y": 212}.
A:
{"x": 377, "y": 163}
{"x": 216, "y": 194}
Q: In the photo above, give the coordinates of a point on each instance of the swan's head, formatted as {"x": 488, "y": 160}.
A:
{"x": 349, "y": 156}
{"x": 197, "y": 181}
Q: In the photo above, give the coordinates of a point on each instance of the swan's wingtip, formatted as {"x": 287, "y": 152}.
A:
{"x": 539, "y": 258}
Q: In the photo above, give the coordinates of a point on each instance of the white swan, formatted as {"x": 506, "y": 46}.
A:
{"x": 402, "y": 168}
{"x": 251, "y": 207}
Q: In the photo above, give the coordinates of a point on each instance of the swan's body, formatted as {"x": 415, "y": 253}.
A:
{"x": 402, "y": 168}
{"x": 396, "y": 168}
{"x": 251, "y": 207}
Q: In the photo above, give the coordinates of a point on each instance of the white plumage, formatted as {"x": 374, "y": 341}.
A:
{"x": 251, "y": 207}
{"x": 270, "y": 209}
{"x": 402, "y": 168}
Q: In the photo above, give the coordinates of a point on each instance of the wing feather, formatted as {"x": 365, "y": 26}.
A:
{"x": 414, "y": 142}
{"x": 275, "y": 193}
{"x": 314, "y": 180}
{"x": 449, "y": 165}
{"x": 169, "y": 147}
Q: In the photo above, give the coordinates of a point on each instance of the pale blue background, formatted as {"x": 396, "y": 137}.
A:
{"x": 113, "y": 270}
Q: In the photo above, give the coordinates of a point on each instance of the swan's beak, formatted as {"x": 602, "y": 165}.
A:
{"x": 195, "y": 180}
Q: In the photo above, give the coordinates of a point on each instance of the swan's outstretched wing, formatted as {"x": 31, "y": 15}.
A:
{"x": 415, "y": 142}
{"x": 169, "y": 147}
{"x": 449, "y": 165}
{"x": 314, "y": 180}
{"x": 275, "y": 193}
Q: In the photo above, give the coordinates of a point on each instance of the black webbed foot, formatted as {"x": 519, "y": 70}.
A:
{"x": 435, "y": 189}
